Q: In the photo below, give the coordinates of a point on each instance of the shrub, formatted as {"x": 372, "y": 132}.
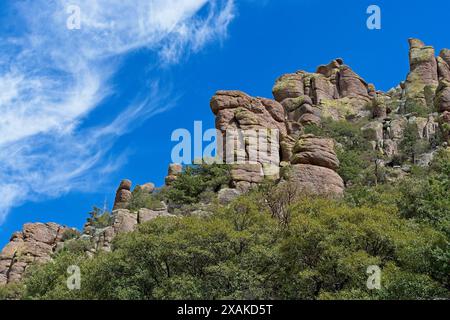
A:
{"x": 100, "y": 218}
{"x": 70, "y": 234}
{"x": 241, "y": 252}
{"x": 12, "y": 291}
{"x": 142, "y": 199}
{"x": 196, "y": 180}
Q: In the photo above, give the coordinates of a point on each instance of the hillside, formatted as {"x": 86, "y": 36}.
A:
{"x": 356, "y": 177}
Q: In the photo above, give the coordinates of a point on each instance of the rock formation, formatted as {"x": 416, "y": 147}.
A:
{"x": 301, "y": 99}
{"x": 34, "y": 244}
{"x": 335, "y": 91}
{"x": 123, "y": 195}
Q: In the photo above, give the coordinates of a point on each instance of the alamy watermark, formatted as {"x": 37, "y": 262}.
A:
{"x": 374, "y": 20}
{"x": 374, "y": 280}
{"x": 232, "y": 146}
{"x": 74, "y": 280}
{"x": 73, "y": 22}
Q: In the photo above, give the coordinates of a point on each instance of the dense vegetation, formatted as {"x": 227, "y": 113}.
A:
{"x": 274, "y": 244}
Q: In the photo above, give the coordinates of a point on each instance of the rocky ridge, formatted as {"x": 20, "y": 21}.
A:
{"x": 299, "y": 99}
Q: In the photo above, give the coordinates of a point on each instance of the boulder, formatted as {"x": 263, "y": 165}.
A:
{"x": 373, "y": 131}
{"x": 251, "y": 173}
{"x": 288, "y": 86}
{"x": 124, "y": 221}
{"x": 315, "y": 151}
{"x": 145, "y": 215}
{"x": 148, "y": 187}
{"x": 316, "y": 180}
{"x": 34, "y": 244}
{"x": 351, "y": 85}
{"x": 423, "y": 77}
{"x": 442, "y": 98}
{"x": 123, "y": 195}
{"x": 227, "y": 195}
{"x": 173, "y": 172}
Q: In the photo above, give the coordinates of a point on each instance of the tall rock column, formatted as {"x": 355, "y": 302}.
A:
{"x": 422, "y": 79}
{"x": 123, "y": 195}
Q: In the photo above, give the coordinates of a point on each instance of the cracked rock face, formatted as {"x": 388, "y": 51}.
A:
{"x": 34, "y": 244}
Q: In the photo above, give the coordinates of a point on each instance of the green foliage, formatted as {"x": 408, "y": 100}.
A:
{"x": 195, "y": 181}
{"x": 427, "y": 199}
{"x": 419, "y": 108}
{"x": 357, "y": 160}
{"x": 100, "y": 218}
{"x": 346, "y": 133}
{"x": 411, "y": 146}
{"x": 70, "y": 234}
{"x": 142, "y": 199}
{"x": 12, "y": 291}
{"x": 49, "y": 282}
{"x": 245, "y": 251}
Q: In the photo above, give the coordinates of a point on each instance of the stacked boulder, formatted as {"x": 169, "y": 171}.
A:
{"x": 123, "y": 195}
{"x": 334, "y": 90}
{"x": 242, "y": 119}
{"x": 313, "y": 166}
{"x": 174, "y": 171}
{"x": 34, "y": 244}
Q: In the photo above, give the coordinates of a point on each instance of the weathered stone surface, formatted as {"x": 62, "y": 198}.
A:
{"x": 148, "y": 187}
{"x": 124, "y": 221}
{"x": 422, "y": 62}
{"x": 390, "y": 148}
{"x": 288, "y": 86}
{"x": 316, "y": 180}
{"x": 145, "y": 215}
{"x": 125, "y": 185}
{"x": 252, "y": 173}
{"x": 237, "y": 110}
{"x": 323, "y": 89}
{"x": 442, "y": 99}
{"x": 397, "y": 128}
{"x": 422, "y": 79}
{"x": 227, "y": 195}
{"x": 351, "y": 85}
{"x": 443, "y": 69}
{"x": 35, "y": 244}
{"x": 373, "y": 131}
{"x": 315, "y": 151}
{"x": 379, "y": 107}
{"x": 173, "y": 172}
{"x": 445, "y": 55}
{"x": 123, "y": 195}
{"x": 309, "y": 119}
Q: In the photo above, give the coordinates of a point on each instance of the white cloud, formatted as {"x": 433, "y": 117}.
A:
{"x": 51, "y": 78}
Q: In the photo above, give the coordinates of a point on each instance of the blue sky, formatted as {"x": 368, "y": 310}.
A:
{"x": 81, "y": 111}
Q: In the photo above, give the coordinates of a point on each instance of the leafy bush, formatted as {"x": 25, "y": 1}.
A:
{"x": 100, "y": 218}
{"x": 195, "y": 181}
{"x": 70, "y": 234}
{"x": 243, "y": 252}
{"x": 357, "y": 160}
{"x": 411, "y": 146}
{"x": 12, "y": 291}
{"x": 142, "y": 199}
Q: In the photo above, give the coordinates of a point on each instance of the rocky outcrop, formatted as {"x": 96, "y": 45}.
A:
{"x": 34, "y": 244}
{"x": 314, "y": 162}
{"x": 315, "y": 151}
{"x": 301, "y": 99}
{"x": 173, "y": 172}
{"x": 315, "y": 180}
{"x": 422, "y": 79}
{"x": 123, "y": 221}
{"x": 123, "y": 195}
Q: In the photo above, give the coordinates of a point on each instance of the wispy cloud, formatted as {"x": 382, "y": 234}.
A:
{"x": 51, "y": 78}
